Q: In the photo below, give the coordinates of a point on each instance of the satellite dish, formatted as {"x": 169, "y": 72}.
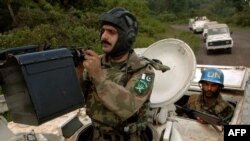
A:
{"x": 171, "y": 85}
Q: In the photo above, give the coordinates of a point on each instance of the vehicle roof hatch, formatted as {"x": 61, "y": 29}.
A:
{"x": 234, "y": 76}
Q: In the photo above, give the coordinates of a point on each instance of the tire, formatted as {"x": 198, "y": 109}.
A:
{"x": 208, "y": 52}
{"x": 229, "y": 50}
{"x": 194, "y": 31}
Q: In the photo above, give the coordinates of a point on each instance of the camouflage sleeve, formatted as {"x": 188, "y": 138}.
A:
{"x": 125, "y": 101}
{"x": 192, "y": 101}
{"x": 227, "y": 113}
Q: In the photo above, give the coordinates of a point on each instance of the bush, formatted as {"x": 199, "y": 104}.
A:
{"x": 242, "y": 19}
{"x": 59, "y": 35}
{"x": 30, "y": 17}
{"x": 167, "y": 17}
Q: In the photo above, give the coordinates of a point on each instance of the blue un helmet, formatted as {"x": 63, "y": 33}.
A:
{"x": 213, "y": 75}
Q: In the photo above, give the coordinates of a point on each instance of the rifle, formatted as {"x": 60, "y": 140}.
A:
{"x": 192, "y": 113}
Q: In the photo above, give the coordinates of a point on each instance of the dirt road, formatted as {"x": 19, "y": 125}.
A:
{"x": 240, "y": 53}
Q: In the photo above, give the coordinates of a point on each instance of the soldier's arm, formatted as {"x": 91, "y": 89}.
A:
{"x": 125, "y": 101}
{"x": 227, "y": 114}
{"x": 192, "y": 101}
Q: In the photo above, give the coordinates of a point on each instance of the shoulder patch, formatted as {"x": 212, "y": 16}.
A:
{"x": 143, "y": 84}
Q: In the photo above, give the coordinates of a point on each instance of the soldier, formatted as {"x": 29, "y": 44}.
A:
{"x": 210, "y": 100}
{"x": 118, "y": 83}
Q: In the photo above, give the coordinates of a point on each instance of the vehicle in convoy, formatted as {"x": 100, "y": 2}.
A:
{"x": 219, "y": 37}
{"x": 198, "y": 24}
{"x": 170, "y": 92}
{"x": 204, "y": 33}
{"x": 190, "y": 24}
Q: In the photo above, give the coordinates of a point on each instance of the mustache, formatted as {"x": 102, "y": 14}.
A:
{"x": 208, "y": 92}
{"x": 211, "y": 94}
{"x": 105, "y": 42}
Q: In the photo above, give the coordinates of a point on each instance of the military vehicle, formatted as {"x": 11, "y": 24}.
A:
{"x": 219, "y": 37}
{"x": 40, "y": 120}
{"x": 198, "y": 24}
{"x": 190, "y": 23}
{"x": 204, "y": 33}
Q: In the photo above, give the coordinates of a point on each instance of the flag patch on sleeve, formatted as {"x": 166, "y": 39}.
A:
{"x": 143, "y": 84}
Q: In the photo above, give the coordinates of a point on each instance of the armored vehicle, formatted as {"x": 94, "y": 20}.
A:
{"x": 70, "y": 123}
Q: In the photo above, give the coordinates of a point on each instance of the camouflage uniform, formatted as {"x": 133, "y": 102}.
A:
{"x": 219, "y": 108}
{"x": 122, "y": 99}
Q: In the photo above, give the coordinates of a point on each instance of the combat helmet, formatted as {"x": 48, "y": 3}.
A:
{"x": 127, "y": 27}
{"x": 213, "y": 75}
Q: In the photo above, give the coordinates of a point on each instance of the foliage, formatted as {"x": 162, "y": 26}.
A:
{"x": 191, "y": 40}
{"x": 64, "y": 22}
{"x": 167, "y": 17}
{"x": 63, "y": 34}
{"x": 243, "y": 18}
{"x": 220, "y": 10}
{"x": 70, "y": 23}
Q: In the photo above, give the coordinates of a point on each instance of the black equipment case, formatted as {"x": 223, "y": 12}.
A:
{"x": 40, "y": 86}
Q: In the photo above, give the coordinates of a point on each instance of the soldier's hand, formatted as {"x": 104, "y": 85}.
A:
{"x": 92, "y": 64}
{"x": 79, "y": 70}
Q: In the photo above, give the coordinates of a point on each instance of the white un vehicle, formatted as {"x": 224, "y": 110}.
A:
{"x": 219, "y": 37}
{"x": 206, "y": 25}
{"x": 56, "y": 114}
{"x": 198, "y": 24}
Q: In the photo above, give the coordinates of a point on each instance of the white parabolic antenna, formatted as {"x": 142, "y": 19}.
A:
{"x": 171, "y": 85}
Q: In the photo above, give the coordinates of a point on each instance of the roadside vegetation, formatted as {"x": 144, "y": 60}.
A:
{"x": 75, "y": 23}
